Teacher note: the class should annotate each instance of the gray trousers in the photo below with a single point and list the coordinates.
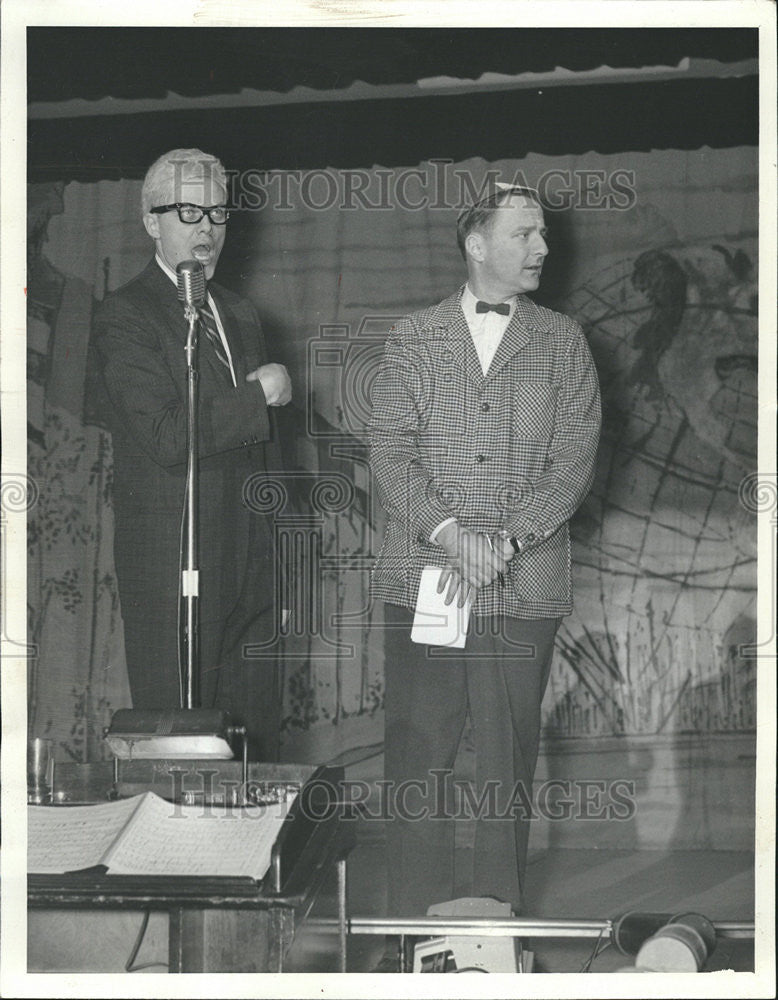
(499, 680)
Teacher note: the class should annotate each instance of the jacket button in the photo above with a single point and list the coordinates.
(480, 458)
(485, 407)
(530, 538)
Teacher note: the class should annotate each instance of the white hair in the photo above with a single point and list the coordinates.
(176, 166)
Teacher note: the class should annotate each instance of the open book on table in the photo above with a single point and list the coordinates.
(146, 835)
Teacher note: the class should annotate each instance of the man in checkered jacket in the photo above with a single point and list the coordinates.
(486, 418)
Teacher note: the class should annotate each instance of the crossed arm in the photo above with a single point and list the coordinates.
(152, 403)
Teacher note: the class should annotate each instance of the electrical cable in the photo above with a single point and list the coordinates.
(129, 966)
(596, 951)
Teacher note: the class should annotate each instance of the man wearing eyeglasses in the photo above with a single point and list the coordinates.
(139, 336)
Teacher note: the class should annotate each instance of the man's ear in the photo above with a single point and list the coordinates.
(474, 246)
(151, 222)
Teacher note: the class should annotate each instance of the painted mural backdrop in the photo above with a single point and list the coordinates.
(665, 548)
(663, 282)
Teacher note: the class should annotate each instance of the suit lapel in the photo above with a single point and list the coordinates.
(170, 309)
(462, 339)
(518, 333)
(172, 312)
(450, 324)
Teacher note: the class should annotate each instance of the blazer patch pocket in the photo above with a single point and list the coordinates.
(534, 406)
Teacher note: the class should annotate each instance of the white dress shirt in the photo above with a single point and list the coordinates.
(174, 278)
(487, 330)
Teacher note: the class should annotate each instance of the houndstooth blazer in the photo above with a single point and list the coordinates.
(513, 449)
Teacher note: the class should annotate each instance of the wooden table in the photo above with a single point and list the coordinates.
(229, 924)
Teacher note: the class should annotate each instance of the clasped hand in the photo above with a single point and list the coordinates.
(275, 382)
(472, 562)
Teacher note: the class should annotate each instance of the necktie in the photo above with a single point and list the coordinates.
(503, 308)
(208, 324)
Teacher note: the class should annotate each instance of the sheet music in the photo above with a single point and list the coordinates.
(67, 838)
(168, 839)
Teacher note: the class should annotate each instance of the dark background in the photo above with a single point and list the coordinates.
(138, 63)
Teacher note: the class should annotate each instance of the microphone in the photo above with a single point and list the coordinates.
(191, 283)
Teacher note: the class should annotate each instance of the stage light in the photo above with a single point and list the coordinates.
(172, 734)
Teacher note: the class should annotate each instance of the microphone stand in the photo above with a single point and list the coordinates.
(189, 633)
(188, 732)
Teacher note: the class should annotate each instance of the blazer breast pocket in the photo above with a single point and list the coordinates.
(534, 408)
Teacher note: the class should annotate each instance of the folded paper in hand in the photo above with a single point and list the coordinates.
(435, 622)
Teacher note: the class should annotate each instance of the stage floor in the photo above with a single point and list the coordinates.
(562, 882)
(594, 884)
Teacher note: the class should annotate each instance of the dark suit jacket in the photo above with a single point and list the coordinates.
(139, 335)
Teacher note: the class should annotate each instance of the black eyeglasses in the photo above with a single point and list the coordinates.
(190, 214)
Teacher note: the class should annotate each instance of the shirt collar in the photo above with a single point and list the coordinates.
(167, 269)
(468, 306)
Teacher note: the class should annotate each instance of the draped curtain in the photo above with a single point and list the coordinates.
(77, 673)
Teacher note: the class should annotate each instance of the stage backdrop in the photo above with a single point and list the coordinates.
(661, 273)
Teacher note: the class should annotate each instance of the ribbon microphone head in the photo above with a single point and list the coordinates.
(191, 283)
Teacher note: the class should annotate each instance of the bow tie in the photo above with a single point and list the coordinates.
(503, 308)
